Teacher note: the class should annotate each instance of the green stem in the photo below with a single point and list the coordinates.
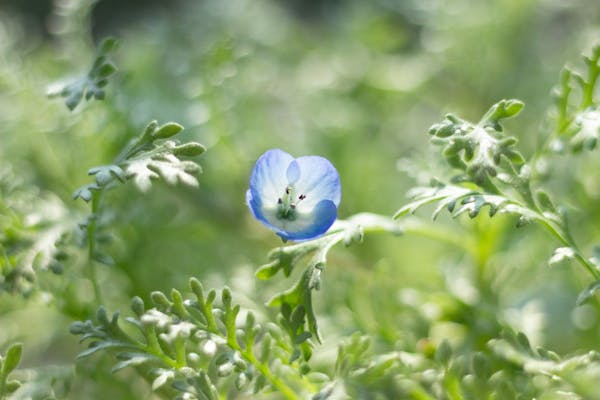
(560, 232)
(588, 90)
(2, 386)
(566, 239)
(91, 236)
(264, 369)
(153, 347)
(180, 352)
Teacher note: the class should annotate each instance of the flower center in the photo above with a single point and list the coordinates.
(286, 205)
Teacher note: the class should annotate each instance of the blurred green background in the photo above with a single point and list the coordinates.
(358, 82)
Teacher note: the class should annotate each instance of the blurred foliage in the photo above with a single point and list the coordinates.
(430, 314)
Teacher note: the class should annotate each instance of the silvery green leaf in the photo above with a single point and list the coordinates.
(133, 359)
(163, 377)
(561, 255)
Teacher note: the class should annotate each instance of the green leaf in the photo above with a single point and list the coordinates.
(85, 192)
(578, 120)
(480, 365)
(477, 149)
(286, 258)
(12, 386)
(163, 377)
(443, 353)
(587, 125)
(267, 271)
(103, 345)
(191, 149)
(206, 386)
(296, 307)
(167, 130)
(91, 85)
(503, 109)
(106, 174)
(460, 200)
(146, 167)
(561, 255)
(12, 358)
(134, 359)
(587, 293)
(108, 45)
(544, 201)
(103, 258)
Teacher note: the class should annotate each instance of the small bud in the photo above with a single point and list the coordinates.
(56, 267)
(250, 320)
(106, 70)
(512, 107)
(480, 366)
(226, 297)
(137, 306)
(209, 348)
(193, 358)
(167, 130)
(304, 368)
(241, 381)
(102, 317)
(12, 386)
(77, 328)
(523, 341)
(159, 299)
(225, 369)
(443, 353)
(150, 128)
(190, 149)
(12, 358)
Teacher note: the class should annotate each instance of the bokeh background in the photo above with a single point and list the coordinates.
(358, 82)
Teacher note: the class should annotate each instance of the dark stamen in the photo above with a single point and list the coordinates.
(301, 197)
(279, 201)
(287, 190)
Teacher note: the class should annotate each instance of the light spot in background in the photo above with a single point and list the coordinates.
(193, 87)
(198, 113)
(401, 73)
(529, 319)
(431, 311)
(463, 288)
(316, 73)
(409, 296)
(584, 317)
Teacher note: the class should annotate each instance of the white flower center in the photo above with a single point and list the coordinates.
(286, 205)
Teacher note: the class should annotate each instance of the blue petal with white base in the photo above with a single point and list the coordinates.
(296, 197)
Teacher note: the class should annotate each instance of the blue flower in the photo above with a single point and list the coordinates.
(296, 197)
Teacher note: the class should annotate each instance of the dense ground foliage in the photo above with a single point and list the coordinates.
(126, 157)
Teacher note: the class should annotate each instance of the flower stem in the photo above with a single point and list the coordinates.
(91, 236)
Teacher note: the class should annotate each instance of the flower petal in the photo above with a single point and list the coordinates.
(255, 206)
(305, 226)
(309, 225)
(319, 180)
(293, 172)
(268, 179)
